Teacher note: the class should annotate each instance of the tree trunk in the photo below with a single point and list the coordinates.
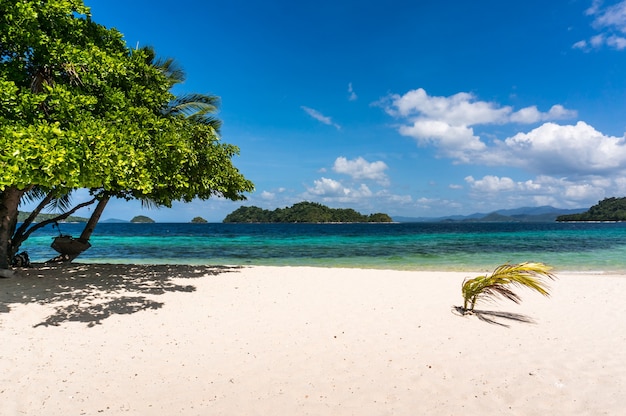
(86, 234)
(9, 203)
(95, 217)
(24, 232)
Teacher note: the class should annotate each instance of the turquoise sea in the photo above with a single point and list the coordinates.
(577, 247)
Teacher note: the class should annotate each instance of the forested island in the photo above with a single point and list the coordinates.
(22, 216)
(307, 212)
(142, 219)
(609, 209)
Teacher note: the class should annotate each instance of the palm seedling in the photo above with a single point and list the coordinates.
(530, 275)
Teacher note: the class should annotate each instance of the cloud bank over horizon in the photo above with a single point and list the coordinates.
(571, 164)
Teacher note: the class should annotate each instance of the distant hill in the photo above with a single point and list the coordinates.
(21, 217)
(524, 214)
(142, 219)
(113, 221)
(609, 209)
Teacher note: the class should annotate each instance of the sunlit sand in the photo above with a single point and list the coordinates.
(202, 340)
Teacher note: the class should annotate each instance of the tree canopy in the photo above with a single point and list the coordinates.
(310, 212)
(79, 109)
(609, 209)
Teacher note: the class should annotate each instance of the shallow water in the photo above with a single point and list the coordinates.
(401, 246)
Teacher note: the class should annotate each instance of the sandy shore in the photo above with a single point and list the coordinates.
(188, 340)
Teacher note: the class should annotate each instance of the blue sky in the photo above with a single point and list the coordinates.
(412, 108)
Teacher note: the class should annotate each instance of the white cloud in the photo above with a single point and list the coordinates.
(596, 41)
(358, 196)
(581, 191)
(267, 195)
(503, 192)
(394, 200)
(453, 140)
(611, 22)
(463, 109)
(617, 42)
(531, 114)
(439, 204)
(457, 109)
(613, 16)
(320, 117)
(447, 122)
(328, 188)
(360, 169)
(620, 185)
(351, 94)
(491, 184)
(593, 9)
(571, 149)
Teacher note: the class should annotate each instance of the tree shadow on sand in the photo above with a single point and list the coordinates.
(493, 317)
(94, 292)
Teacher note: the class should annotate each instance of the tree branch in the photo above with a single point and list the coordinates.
(17, 243)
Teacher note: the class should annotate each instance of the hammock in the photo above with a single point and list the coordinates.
(66, 244)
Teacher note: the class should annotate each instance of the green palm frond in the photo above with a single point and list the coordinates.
(170, 68)
(189, 104)
(197, 107)
(62, 203)
(530, 275)
(35, 194)
(54, 201)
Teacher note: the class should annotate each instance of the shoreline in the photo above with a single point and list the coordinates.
(383, 266)
(193, 340)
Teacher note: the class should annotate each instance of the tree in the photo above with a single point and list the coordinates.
(379, 217)
(497, 284)
(609, 209)
(78, 109)
(71, 97)
(196, 109)
(47, 200)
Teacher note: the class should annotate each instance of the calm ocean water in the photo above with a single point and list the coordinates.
(403, 246)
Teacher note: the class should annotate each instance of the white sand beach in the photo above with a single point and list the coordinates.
(200, 340)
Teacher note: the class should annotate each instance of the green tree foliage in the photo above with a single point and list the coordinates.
(77, 105)
(79, 109)
(308, 212)
(609, 209)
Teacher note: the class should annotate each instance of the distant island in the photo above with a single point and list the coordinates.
(304, 212)
(198, 220)
(113, 221)
(517, 215)
(609, 209)
(142, 219)
(22, 216)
